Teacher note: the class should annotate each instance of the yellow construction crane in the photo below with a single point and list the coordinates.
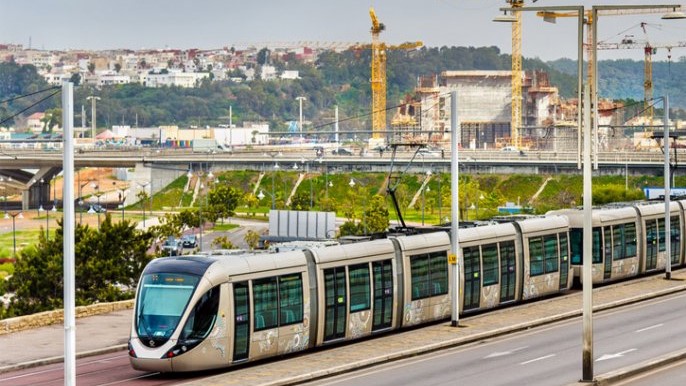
(649, 49)
(516, 120)
(378, 78)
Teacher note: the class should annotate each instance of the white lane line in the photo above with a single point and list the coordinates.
(650, 328)
(537, 359)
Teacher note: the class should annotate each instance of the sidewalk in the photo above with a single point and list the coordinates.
(110, 332)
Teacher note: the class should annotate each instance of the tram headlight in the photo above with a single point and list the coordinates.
(181, 348)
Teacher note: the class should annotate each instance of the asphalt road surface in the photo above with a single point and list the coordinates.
(545, 356)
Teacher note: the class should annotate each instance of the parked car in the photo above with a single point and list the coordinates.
(97, 208)
(172, 247)
(189, 241)
(341, 151)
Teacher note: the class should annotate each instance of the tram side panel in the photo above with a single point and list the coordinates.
(545, 247)
(356, 290)
(491, 266)
(425, 278)
(653, 248)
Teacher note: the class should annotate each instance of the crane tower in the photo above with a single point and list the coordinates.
(378, 72)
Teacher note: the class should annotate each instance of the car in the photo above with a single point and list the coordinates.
(424, 152)
(97, 208)
(189, 241)
(341, 151)
(172, 247)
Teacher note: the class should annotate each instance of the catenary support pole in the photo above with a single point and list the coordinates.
(668, 240)
(454, 210)
(587, 275)
(69, 240)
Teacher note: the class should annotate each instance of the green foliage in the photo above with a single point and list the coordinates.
(301, 201)
(108, 263)
(375, 218)
(614, 193)
(252, 238)
(223, 200)
(222, 242)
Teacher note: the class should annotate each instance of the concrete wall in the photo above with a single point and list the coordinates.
(47, 318)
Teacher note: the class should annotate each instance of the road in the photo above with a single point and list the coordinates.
(672, 375)
(546, 356)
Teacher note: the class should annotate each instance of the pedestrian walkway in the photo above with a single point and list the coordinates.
(110, 332)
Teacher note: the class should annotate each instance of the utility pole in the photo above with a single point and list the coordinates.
(93, 100)
(301, 99)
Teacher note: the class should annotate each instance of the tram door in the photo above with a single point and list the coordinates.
(241, 329)
(383, 294)
(651, 245)
(607, 243)
(564, 261)
(508, 271)
(472, 278)
(334, 319)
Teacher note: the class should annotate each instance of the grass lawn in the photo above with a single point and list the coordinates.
(224, 227)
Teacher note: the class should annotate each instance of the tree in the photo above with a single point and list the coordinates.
(223, 242)
(108, 262)
(223, 200)
(52, 118)
(301, 201)
(263, 56)
(250, 202)
(75, 78)
(252, 238)
(117, 67)
(375, 217)
(91, 68)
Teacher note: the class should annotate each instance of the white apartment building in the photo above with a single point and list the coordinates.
(173, 78)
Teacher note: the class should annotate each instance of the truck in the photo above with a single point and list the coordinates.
(207, 145)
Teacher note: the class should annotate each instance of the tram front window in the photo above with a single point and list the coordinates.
(161, 301)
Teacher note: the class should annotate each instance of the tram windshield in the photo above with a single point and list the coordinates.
(161, 301)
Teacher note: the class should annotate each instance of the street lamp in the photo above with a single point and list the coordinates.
(98, 208)
(93, 100)
(352, 184)
(144, 185)
(301, 99)
(14, 231)
(122, 196)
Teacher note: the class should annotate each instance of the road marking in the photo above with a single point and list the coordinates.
(615, 356)
(650, 328)
(503, 353)
(537, 359)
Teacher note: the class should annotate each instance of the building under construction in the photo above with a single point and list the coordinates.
(484, 112)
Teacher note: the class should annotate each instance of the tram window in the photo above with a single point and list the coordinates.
(564, 249)
(203, 316)
(674, 234)
(490, 264)
(536, 256)
(266, 303)
(618, 242)
(439, 273)
(576, 243)
(429, 275)
(597, 252)
(419, 267)
(630, 239)
(290, 299)
(661, 234)
(359, 287)
(552, 257)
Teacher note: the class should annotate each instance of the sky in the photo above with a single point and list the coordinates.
(205, 24)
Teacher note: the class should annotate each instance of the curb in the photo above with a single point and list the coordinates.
(630, 371)
(60, 359)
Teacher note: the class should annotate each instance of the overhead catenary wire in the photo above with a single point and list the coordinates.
(30, 107)
(30, 94)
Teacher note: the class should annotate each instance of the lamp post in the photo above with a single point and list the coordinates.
(81, 186)
(352, 184)
(98, 193)
(122, 196)
(300, 99)
(93, 100)
(143, 185)
(14, 232)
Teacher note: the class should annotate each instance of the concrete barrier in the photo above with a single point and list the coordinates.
(47, 318)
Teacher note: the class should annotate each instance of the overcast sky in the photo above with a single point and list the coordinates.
(137, 24)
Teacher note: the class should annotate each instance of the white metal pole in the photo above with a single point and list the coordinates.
(668, 240)
(587, 276)
(454, 205)
(336, 125)
(69, 239)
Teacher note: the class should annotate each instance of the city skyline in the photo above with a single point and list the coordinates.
(127, 24)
